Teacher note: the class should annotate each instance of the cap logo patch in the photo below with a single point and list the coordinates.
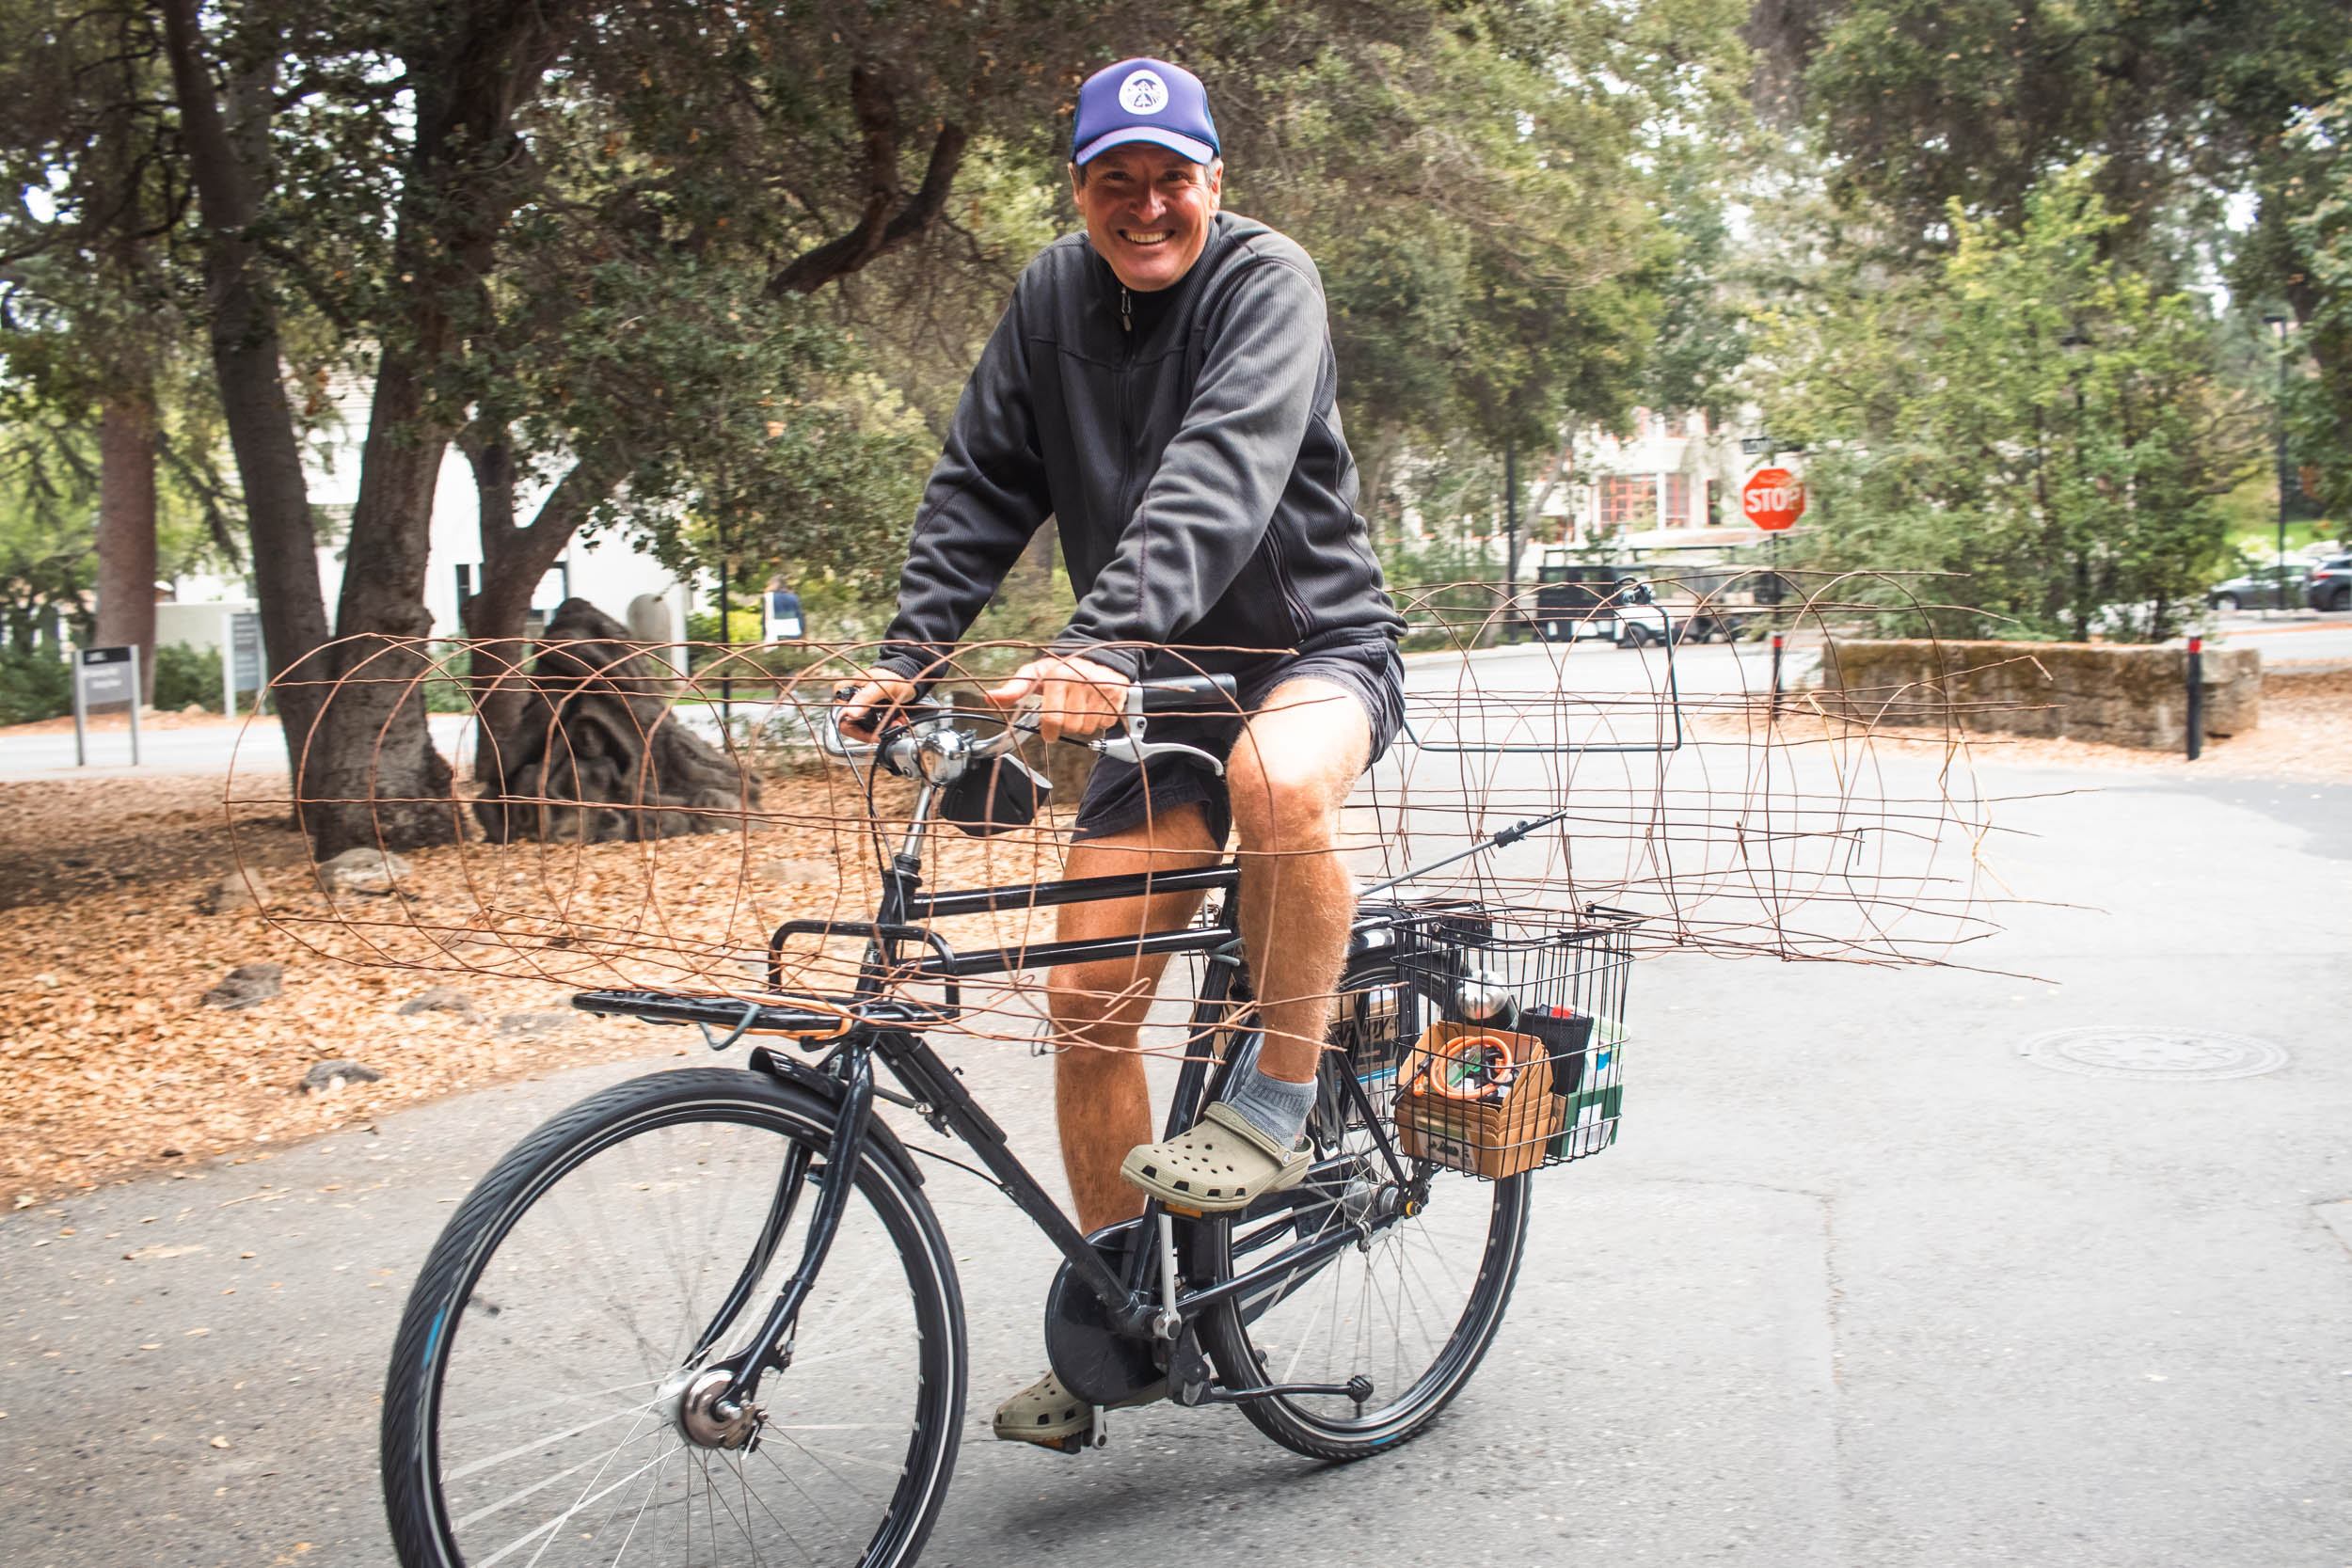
(1142, 93)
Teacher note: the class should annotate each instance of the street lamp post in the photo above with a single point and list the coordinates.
(2278, 325)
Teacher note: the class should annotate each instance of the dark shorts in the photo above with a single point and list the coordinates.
(1121, 795)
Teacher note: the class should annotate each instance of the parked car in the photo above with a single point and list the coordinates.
(2275, 586)
(1576, 601)
(2329, 585)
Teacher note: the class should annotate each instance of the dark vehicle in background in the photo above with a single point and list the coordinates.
(2329, 585)
(1575, 601)
(2272, 587)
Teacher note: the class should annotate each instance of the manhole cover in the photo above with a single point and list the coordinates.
(2153, 1052)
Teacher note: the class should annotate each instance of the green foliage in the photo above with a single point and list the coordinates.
(1482, 190)
(743, 631)
(2319, 407)
(48, 499)
(33, 686)
(1952, 427)
(2188, 107)
(186, 678)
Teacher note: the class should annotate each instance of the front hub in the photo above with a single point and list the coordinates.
(704, 1414)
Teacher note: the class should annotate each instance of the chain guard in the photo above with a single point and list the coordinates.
(1093, 1360)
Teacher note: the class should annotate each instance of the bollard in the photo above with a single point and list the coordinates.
(2196, 697)
(1776, 676)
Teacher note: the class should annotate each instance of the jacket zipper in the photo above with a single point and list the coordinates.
(1279, 564)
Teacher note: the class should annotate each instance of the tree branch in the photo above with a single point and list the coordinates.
(887, 221)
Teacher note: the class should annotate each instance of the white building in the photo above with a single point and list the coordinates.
(609, 571)
(1672, 484)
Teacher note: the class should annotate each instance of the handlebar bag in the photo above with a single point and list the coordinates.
(1004, 795)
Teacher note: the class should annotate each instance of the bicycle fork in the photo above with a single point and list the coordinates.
(712, 1407)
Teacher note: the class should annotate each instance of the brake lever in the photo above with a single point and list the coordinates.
(1132, 748)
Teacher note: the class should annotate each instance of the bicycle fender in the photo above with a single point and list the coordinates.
(802, 1076)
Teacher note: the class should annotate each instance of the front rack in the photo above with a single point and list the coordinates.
(808, 1017)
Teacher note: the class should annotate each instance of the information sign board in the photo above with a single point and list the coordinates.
(106, 675)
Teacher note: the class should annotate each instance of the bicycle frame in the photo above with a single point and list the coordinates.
(936, 1094)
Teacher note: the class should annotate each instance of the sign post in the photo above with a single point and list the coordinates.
(104, 676)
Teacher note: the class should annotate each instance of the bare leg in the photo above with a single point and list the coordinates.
(1292, 769)
(1100, 1097)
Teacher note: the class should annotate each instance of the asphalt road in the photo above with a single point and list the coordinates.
(1860, 1284)
(1705, 669)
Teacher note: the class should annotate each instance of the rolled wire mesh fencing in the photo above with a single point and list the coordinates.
(598, 814)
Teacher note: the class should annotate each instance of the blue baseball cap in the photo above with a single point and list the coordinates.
(1144, 100)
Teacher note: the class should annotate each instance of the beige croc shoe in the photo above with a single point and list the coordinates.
(1220, 1163)
(1052, 1417)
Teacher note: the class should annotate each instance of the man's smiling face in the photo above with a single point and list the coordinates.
(1148, 210)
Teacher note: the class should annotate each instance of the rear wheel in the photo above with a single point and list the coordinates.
(1413, 1311)
(2340, 599)
(2226, 603)
(537, 1409)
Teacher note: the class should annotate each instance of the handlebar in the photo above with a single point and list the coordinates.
(930, 734)
(1187, 693)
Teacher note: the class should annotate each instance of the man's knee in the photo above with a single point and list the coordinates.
(1297, 767)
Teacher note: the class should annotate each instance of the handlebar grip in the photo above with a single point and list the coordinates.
(1188, 693)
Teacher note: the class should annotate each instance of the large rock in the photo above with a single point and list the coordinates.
(365, 869)
(597, 755)
(247, 985)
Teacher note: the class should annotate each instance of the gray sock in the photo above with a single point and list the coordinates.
(1276, 1108)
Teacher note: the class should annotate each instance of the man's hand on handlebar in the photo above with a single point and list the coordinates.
(1077, 697)
(862, 712)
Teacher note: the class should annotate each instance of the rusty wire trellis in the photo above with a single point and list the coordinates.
(615, 825)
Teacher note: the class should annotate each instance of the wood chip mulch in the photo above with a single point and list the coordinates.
(110, 1062)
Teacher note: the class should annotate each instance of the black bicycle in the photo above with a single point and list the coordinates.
(708, 1315)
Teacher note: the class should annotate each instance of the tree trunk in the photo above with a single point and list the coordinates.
(228, 163)
(382, 783)
(126, 527)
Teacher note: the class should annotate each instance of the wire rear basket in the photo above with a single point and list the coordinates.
(1516, 1024)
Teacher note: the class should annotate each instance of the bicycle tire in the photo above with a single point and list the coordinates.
(1320, 1426)
(726, 1114)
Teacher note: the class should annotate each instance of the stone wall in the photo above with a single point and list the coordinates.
(2118, 693)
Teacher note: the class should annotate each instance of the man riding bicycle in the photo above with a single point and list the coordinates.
(1163, 385)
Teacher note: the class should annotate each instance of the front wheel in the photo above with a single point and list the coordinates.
(2226, 603)
(538, 1406)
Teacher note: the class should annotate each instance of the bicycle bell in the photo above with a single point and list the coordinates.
(1484, 998)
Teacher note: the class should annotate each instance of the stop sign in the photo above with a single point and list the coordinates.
(1773, 499)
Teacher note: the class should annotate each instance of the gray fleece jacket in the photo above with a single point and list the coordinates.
(1189, 445)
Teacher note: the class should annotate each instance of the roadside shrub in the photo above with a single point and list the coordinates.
(33, 686)
(188, 677)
